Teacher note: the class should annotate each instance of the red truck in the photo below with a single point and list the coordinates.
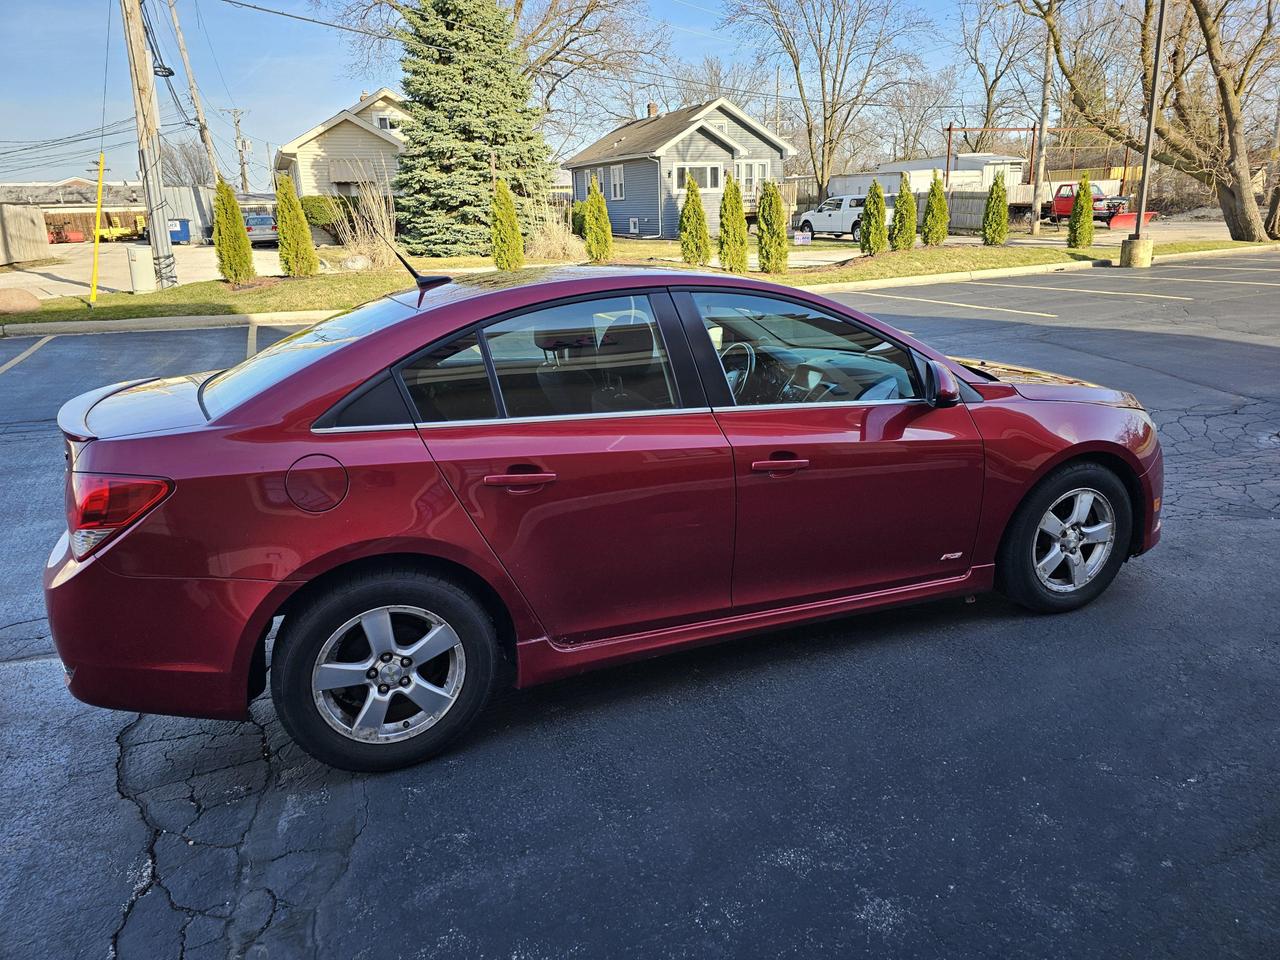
(1113, 211)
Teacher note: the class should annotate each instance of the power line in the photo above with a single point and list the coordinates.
(651, 73)
(106, 63)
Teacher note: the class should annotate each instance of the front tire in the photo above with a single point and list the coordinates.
(384, 670)
(1067, 540)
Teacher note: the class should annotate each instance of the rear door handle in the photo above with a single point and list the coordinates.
(778, 467)
(518, 479)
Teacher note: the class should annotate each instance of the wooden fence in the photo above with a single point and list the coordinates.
(22, 234)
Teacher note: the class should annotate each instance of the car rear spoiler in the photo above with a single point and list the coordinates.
(73, 416)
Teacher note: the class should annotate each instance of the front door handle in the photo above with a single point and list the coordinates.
(518, 479)
(778, 468)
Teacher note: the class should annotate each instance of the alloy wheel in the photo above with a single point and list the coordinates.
(1073, 540)
(388, 674)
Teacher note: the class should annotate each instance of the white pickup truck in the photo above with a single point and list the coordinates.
(839, 215)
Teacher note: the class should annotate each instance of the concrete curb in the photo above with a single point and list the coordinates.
(1039, 268)
(927, 278)
(153, 324)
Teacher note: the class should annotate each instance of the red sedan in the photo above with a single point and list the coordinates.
(514, 478)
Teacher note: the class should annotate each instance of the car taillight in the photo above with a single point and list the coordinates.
(100, 505)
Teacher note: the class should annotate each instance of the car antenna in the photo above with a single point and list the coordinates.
(423, 281)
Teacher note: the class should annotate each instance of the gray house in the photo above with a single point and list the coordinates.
(643, 165)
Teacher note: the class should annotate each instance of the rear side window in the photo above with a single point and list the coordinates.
(451, 383)
(230, 388)
(591, 356)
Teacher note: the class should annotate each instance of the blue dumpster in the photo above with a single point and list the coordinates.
(179, 231)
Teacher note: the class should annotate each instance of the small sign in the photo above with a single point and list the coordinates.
(803, 238)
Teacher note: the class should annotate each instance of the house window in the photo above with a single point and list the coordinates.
(617, 188)
(751, 176)
(384, 121)
(706, 176)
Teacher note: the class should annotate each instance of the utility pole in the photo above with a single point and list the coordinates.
(147, 113)
(241, 148)
(1042, 145)
(1136, 250)
(201, 123)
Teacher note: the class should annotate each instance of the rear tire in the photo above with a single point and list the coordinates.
(1067, 539)
(394, 711)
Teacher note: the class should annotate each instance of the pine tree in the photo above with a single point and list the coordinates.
(297, 249)
(230, 238)
(508, 244)
(695, 244)
(936, 216)
(771, 234)
(873, 236)
(732, 241)
(469, 124)
(597, 231)
(902, 236)
(1080, 226)
(995, 218)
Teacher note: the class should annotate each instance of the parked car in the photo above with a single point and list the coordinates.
(513, 478)
(261, 229)
(1064, 198)
(840, 215)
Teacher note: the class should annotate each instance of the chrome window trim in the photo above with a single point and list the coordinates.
(361, 428)
(551, 418)
(821, 404)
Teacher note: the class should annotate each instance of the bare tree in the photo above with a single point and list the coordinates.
(995, 41)
(914, 112)
(843, 57)
(185, 164)
(1218, 57)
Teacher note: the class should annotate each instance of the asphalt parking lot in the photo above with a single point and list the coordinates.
(951, 780)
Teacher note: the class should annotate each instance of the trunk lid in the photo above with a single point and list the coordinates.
(132, 407)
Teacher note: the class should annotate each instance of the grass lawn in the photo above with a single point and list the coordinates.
(341, 291)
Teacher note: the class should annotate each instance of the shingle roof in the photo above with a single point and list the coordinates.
(638, 137)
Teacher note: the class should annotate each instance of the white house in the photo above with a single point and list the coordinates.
(361, 142)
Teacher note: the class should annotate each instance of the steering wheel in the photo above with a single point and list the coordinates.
(739, 376)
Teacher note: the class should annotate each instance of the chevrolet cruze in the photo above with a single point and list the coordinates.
(519, 477)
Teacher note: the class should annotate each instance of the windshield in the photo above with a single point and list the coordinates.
(230, 388)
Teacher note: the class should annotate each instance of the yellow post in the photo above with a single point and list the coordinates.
(97, 235)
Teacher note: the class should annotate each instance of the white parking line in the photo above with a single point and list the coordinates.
(1206, 267)
(1105, 293)
(1163, 279)
(952, 303)
(24, 354)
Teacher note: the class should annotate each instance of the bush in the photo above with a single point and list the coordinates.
(936, 216)
(995, 218)
(578, 218)
(771, 235)
(873, 234)
(902, 236)
(508, 244)
(695, 244)
(297, 250)
(230, 238)
(596, 230)
(732, 242)
(1080, 226)
(553, 240)
(321, 211)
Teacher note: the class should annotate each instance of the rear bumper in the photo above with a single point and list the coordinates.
(155, 644)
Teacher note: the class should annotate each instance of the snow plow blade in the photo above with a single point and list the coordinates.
(1127, 221)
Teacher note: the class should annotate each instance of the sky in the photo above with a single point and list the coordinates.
(287, 76)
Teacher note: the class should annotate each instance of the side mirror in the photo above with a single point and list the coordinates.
(940, 387)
